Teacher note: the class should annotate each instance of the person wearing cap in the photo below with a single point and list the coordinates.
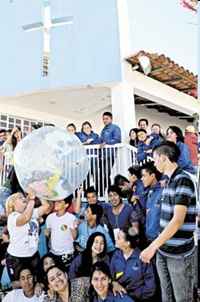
(191, 140)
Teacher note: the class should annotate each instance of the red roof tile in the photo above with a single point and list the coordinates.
(168, 72)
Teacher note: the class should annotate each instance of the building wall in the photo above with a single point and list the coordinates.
(85, 52)
(96, 120)
(31, 114)
(163, 119)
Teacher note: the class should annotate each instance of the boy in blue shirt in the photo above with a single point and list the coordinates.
(150, 178)
(110, 135)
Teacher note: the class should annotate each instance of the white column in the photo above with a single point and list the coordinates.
(123, 108)
(122, 95)
(124, 29)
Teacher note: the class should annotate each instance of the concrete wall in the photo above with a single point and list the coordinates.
(96, 120)
(86, 52)
(161, 118)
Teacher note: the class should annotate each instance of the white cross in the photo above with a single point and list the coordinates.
(46, 26)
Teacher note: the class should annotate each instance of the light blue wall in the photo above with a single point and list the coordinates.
(198, 22)
(86, 52)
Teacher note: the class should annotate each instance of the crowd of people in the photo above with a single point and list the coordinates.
(138, 246)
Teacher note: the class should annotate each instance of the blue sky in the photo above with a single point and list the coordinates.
(163, 26)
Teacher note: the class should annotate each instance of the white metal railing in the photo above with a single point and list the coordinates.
(4, 169)
(105, 163)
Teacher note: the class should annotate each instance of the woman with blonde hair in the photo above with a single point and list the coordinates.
(23, 228)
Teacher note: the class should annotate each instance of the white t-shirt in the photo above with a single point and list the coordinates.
(17, 295)
(23, 239)
(61, 236)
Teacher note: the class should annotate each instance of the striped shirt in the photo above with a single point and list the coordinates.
(180, 190)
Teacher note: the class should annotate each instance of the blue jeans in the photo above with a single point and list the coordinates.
(176, 277)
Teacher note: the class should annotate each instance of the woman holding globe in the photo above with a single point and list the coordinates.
(58, 165)
(23, 228)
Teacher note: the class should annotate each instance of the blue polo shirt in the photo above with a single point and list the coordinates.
(119, 221)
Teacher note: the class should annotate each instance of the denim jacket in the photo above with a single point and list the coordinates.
(134, 275)
(84, 231)
(184, 160)
(153, 209)
(111, 134)
(141, 151)
(84, 137)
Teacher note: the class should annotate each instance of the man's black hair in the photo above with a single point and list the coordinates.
(97, 210)
(169, 149)
(107, 113)
(151, 169)
(91, 189)
(23, 268)
(135, 170)
(116, 189)
(141, 130)
(71, 125)
(143, 120)
(50, 125)
(3, 131)
(36, 126)
(119, 180)
(68, 200)
(156, 124)
(131, 236)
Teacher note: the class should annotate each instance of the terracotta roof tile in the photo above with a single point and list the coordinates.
(167, 71)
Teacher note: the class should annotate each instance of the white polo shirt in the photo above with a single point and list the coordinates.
(61, 237)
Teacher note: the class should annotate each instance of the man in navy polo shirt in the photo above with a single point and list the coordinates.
(150, 178)
(117, 213)
(110, 135)
(175, 244)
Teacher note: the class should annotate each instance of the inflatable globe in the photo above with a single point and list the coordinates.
(51, 162)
